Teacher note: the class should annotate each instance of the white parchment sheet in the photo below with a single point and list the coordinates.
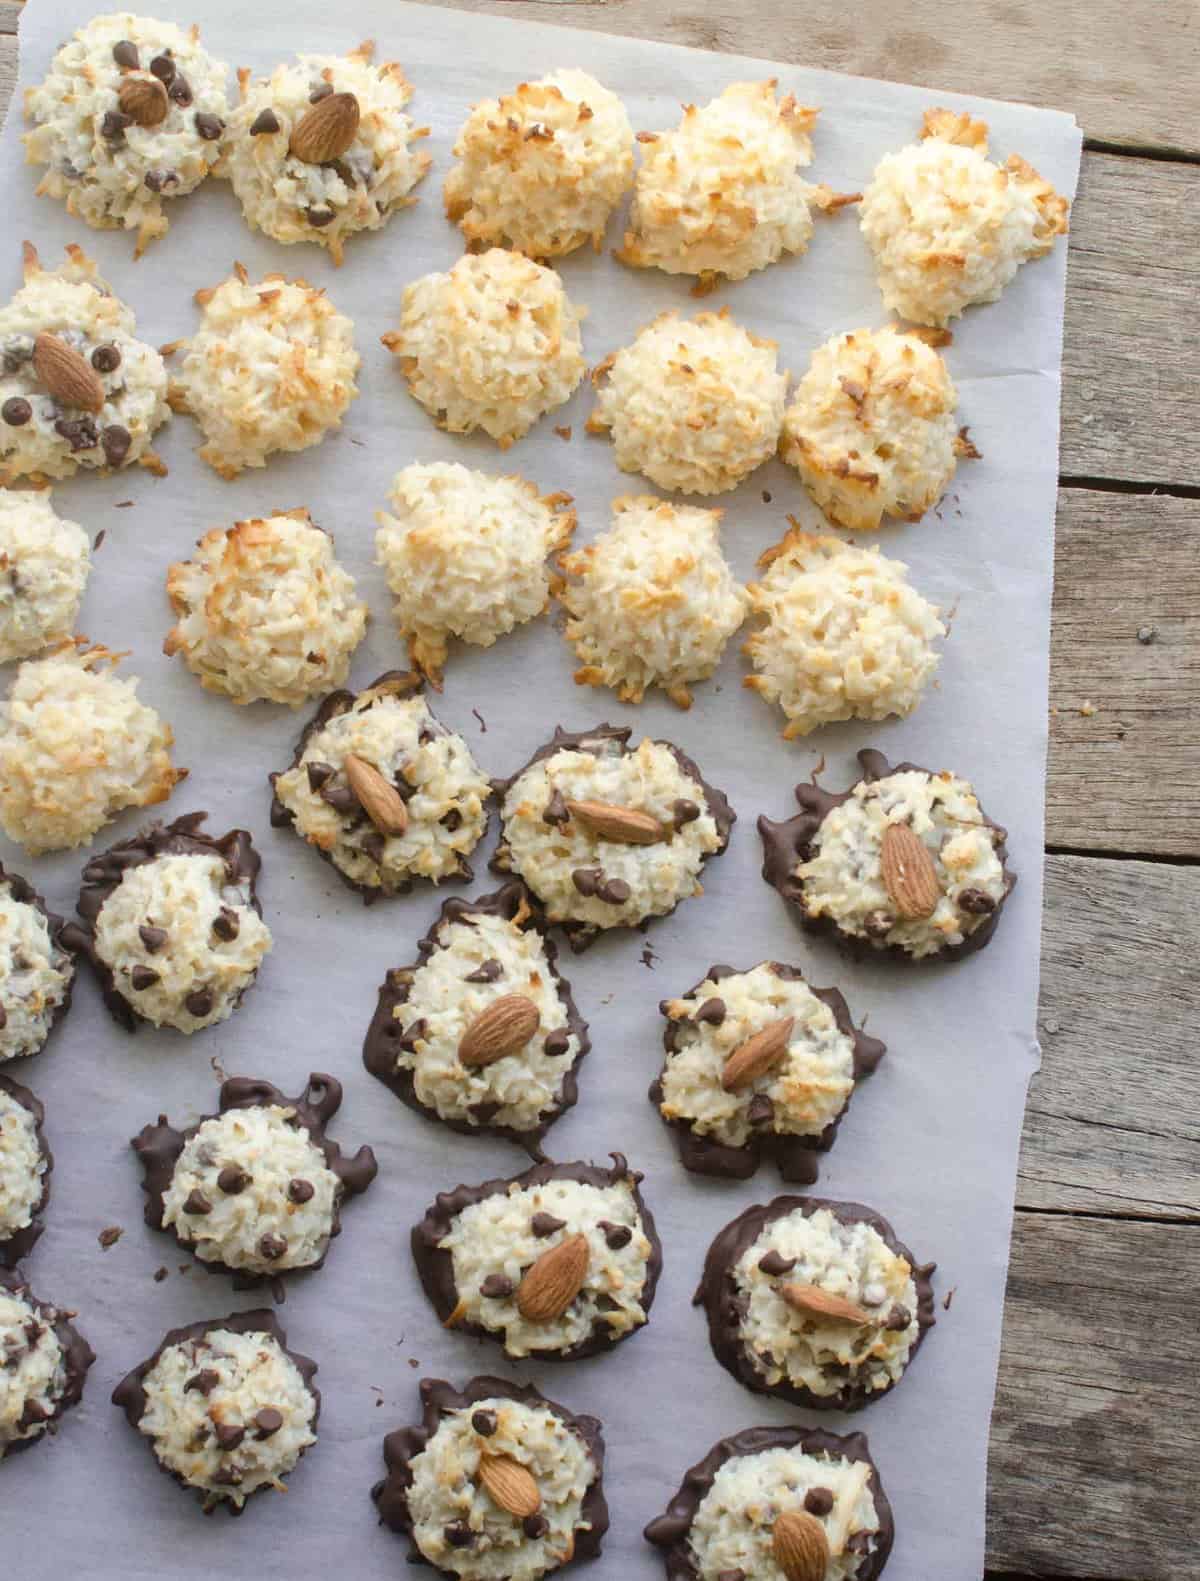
(931, 1140)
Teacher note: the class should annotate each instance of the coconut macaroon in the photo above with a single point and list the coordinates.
(607, 835)
(845, 636)
(266, 612)
(722, 194)
(542, 168)
(693, 404)
(77, 390)
(493, 344)
(132, 113)
(45, 1364)
(871, 427)
(44, 565)
(766, 1494)
(947, 227)
(495, 1481)
(815, 1302)
(25, 1167)
(383, 790)
(226, 1407)
(77, 748)
(465, 556)
(36, 969)
(653, 601)
(556, 1264)
(272, 367)
(322, 148)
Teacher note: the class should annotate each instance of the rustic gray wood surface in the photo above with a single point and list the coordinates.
(1096, 1439)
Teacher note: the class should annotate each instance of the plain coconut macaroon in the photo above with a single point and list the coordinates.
(266, 612)
(76, 748)
(542, 168)
(722, 195)
(465, 555)
(845, 635)
(948, 227)
(44, 566)
(652, 601)
(322, 148)
(693, 404)
(131, 113)
(77, 390)
(493, 344)
(272, 367)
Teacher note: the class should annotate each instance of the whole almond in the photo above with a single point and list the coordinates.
(326, 130)
(812, 1301)
(66, 374)
(756, 1056)
(908, 872)
(382, 803)
(503, 1028)
(510, 1485)
(553, 1282)
(610, 822)
(143, 100)
(799, 1546)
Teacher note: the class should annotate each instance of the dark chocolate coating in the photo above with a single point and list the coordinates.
(795, 1156)
(581, 934)
(379, 1047)
(22, 1243)
(670, 1531)
(78, 1355)
(21, 889)
(790, 842)
(104, 873)
(395, 683)
(435, 1268)
(130, 1394)
(438, 1398)
(717, 1295)
(159, 1146)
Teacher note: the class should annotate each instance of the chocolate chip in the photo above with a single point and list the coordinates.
(228, 1477)
(197, 1202)
(587, 880)
(265, 121)
(163, 67)
(484, 1423)
(543, 1224)
(232, 1180)
(819, 1501)
(343, 171)
(204, 1381)
(272, 1246)
(484, 1113)
(268, 1421)
(142, 977)
(898, 1319)
(226, 924)
(615, 1235)
(459, 1535)
(535, 1526)
(496, 1287)
(180, 91)
(106, 359)
(159, 1275)
(975, 901)
(373, 843)
(615, 891)
(300, 1190)
(760, 1110)
(451, 820)
(557, 1043)
(321, 91)
(684, 811)
(199, 1003)
(16, 412)
(3, 1018)
(712, 1012)
(878, 924)
(319, 216)
(115, 442)
(556, 809)
(113, 125)
(606, 1303)
(319, 774)
(341, 798)
(775, 1264)
(488, 972)
(110, 1236)
(33, 1413)
(126, 54)
(228, 1435)
(155, 180)
(79, 432)
(731, 1575)
(209, 126)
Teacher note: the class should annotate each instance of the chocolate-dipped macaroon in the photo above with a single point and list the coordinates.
(44, 1362)
(25, 1166)
(905, 863)
(37, 969)
(257, 1188)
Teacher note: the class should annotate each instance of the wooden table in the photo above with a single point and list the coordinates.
(1095, 1442)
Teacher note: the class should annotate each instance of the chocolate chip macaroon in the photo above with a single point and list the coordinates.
(905, 863)
(778, 1501)
(172, 925)
(607, 835)
(227, 1408)
(257, 1188)
(481, 1032)
(496, 1480)
(816, 1302)
(759, 1065)
(555, 1264)
(44, 1362)
(37, 970)
(25, 1166)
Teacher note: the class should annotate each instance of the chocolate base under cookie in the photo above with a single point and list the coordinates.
(671, 1530)
(385, 1034)
(22, 1242)
(787, 844)
(130, 1393)
(437, 1399)
(794, 1155)
(722, 1306)
(78, 1355)
(435, 1267)
(104, 873)
(580, 934)
(59, 928)
(159, 1147)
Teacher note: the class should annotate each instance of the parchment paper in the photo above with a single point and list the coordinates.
(931, 1140)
